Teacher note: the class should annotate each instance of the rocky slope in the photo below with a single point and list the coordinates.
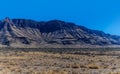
(22, 32)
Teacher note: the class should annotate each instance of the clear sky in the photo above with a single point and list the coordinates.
(101, 15)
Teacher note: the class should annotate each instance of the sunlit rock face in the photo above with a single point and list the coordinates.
(22, 32)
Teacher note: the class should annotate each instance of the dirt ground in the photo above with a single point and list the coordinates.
(59, 62)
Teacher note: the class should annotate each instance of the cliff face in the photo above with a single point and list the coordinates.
(55, 32)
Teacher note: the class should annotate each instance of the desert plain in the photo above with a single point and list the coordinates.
(59, 61)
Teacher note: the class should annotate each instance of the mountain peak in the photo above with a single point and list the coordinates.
(7, 20)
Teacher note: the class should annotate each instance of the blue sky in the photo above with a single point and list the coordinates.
(101, 15)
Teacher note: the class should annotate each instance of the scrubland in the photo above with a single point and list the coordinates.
(59, 61)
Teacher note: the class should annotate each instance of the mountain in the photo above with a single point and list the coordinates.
(55, 33)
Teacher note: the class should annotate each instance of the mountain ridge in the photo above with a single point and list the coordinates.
(25, 33)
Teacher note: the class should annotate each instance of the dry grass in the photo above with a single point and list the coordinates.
(22, 62)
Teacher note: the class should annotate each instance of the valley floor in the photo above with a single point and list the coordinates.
(57, 61)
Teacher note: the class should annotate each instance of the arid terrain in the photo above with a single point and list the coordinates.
(59, 61)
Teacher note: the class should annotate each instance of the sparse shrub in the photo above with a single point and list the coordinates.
(92, 66)
(76, 66)
(83, 66)
(53, 72)
(73, 66)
